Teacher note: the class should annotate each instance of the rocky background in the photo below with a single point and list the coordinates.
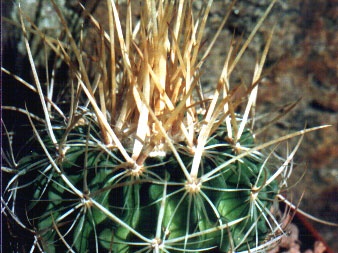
(302, 66)
(304, 59)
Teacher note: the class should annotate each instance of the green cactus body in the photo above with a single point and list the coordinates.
(142, 162)
(137, 200)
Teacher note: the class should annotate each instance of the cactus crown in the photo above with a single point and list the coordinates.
(138, 159)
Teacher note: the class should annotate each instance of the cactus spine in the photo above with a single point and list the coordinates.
(138, 160)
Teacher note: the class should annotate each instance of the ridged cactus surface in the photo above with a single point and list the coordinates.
(131, 155)
(228, 207)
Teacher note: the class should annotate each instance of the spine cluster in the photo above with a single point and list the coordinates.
(131, 156)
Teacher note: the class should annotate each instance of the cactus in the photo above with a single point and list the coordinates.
(134, 158)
